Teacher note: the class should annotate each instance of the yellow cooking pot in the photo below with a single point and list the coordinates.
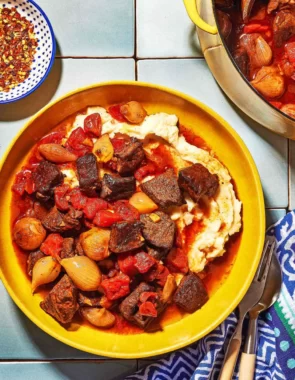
(228, 75)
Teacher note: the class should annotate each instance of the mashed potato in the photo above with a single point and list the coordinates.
(224, 216)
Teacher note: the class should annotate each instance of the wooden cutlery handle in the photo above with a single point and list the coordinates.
(247, 366)
(230, 360)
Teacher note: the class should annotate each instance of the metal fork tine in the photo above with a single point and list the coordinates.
(265, 249)
(268, 262)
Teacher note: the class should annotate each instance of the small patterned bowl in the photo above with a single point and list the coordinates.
(44, 56)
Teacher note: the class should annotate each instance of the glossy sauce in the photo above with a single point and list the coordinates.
(278, 52)
(214, 274)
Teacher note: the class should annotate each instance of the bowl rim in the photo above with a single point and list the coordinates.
(242, 291)
(51, 59)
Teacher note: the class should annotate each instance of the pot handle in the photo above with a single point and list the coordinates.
(191, 8)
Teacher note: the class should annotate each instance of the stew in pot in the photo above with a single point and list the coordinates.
(261, 38)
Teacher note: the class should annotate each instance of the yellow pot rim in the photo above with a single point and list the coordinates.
(242, 291)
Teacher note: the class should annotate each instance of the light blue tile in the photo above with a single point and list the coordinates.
(273, 215)
(110, 370)
(193, 77)
(22, 339)
(93, 28)
(165, 30)
(292, 174)
(66, 75)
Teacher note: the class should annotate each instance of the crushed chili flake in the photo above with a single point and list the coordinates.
(17, 48)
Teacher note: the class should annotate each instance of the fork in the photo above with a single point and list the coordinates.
(251, 298)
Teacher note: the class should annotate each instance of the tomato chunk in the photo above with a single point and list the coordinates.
(115, 112)
(157, 273)
(255, 28)
(126, 210)
(118, 144)
(93, 205)
(144, 171)
(144, 262)
(93, 125)
(127, 263)
(78, 142)
(145, 296)
(23, 182)
(148, 309)
(77, 199)
(177, 261)
(105, 218)
(52, 245)
(60, 199)
(116, 287)
(158, 160)
(52, 138)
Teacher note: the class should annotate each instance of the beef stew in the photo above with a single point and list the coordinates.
(117, 238)
(260, 35)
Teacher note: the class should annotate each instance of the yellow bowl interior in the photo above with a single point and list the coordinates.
(229, 148)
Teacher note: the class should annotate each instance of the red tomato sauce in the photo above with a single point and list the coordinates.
(215, 272)
(278, 53)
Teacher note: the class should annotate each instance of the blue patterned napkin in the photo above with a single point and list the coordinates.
(276, 347)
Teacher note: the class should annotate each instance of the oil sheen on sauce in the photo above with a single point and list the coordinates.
(214, 274)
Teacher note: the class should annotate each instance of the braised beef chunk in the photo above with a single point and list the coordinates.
(283, 26)
(32, 259)
(191, 294)
(164, 189)
(40, 210)
(46, 177)
(158, 229)
(89, 299)
(125, 236)
(225, 23)
(67, 249)
(242, 60)
(224, 3)
(56, 221)
(130, 157)
(78, 248)
(61, 302)
(115, 187)
(129, 307)
(157, 253)
(88, 174)
(198, 181)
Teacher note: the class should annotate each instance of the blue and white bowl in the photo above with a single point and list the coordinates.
(44, 56)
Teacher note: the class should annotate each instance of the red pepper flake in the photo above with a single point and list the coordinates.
(17, 48)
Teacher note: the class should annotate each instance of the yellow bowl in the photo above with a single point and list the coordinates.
(231, 151)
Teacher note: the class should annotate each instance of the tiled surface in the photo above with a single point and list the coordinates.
(270, 152)
(103, 28)
(93, 28)
(66, 75)
(111, 370)
(165, 30)
(23, 340)
(272, 216)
